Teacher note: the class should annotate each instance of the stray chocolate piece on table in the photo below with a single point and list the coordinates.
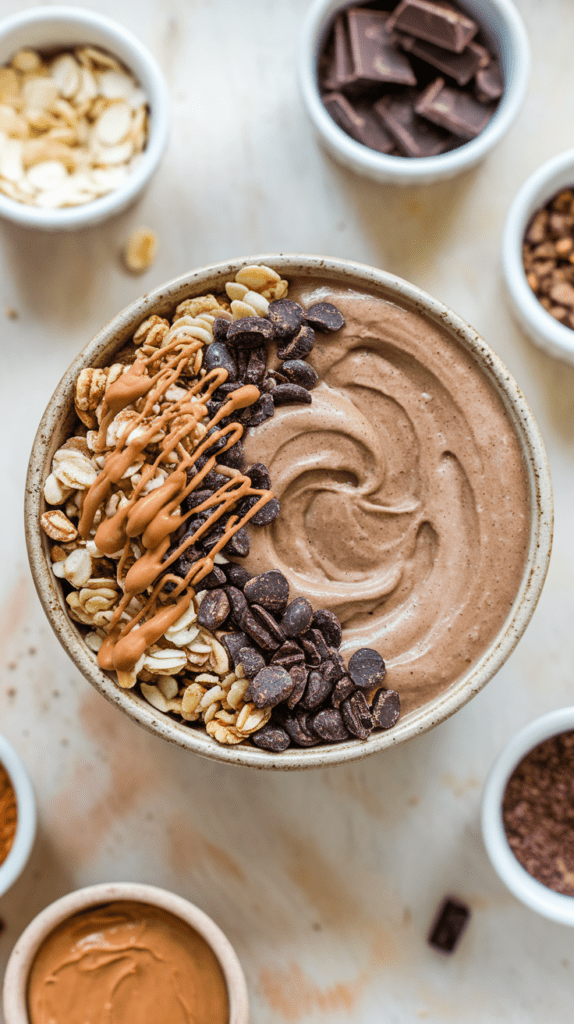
(449, 924)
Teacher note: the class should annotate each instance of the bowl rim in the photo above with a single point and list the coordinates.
(553, 905)
(144, 66)
(546, 180)
(19, 853)
(387, 285)
(23, 953)
(408, 170)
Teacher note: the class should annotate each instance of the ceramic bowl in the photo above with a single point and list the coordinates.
(506, 35)
(532, 893)
(21, 848)
(57, 424)
(22, 956)
(56, 28)
(544, 330)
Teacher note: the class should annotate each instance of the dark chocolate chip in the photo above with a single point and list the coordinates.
(258, 632)
(239, 544)
(299, 372)
(259, 476)
(312, 656)
(237, 575)
(196, 498)
(300, 730)
(298, 674)
(356, 715)
(270, 590)
(298, 347)
(329, 625)
(340, 667)
(367, 668)
(250, 332)
(318, 641)
(233, 643)
(386, 708)
(343, 689)
(316, 691)
(271, 737)
(267, 513)
(297, 617)
(447, 928)
(218, 354)
(261, 410)
(256, 366)
(251, 660)
(286, 394)
(288, 654)
(233, 457)
(286, 317)
(331, 672)
(238, 605)
(329, 725)
(269, 622)
(215, 578)
(220, 329)
(242, 361)
(270, 686)
(324, 316)
(213, 610)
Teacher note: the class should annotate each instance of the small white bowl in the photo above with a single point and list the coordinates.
(17, 858)
(532, 893)
(56, 28)
(544, 330)
(22, 956)
(506, 34)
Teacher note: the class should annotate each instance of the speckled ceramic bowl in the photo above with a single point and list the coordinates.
(24, 952)
(56, 426)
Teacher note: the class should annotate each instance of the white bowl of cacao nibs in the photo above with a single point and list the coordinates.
(538, 256)
(84, 118)
(414, 93)
(212, 492)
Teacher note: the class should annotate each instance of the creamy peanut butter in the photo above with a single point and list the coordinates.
(404, 497)
(123, 963)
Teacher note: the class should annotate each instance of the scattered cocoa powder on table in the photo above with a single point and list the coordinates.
(538, 813)
(8, 814)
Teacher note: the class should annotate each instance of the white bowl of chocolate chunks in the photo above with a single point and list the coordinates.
(415, 94)
(250, 511)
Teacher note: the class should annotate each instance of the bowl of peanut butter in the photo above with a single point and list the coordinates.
(288, 511)
(124, 951)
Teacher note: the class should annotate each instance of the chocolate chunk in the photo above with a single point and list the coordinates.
(259, 476)
(300, 373)
(237, 575)
(297, 617)
(453, 109)
(285, 394)
(270, 590)
(329, 725)
(489, 84)
(271, 737)
(344, 72)
(316, 691)
(288, 654)
(215, 578)
(257, 632)
(242, 361)
(460, 66)
(356, 715)
(342, 689)
(219, 442)
(386, 708)
(238, 604)
(195, 498)
(300, 729)
(436, 22)
(261, 410)
(218, 354)
(271, 625)
(357, 120)
(256, 366)
(340, 667)
(298, 674)
(234, 457)
(312, 656)
(251, 660)
(267, 513)
(449, 924)
(220, 328)
(286, 317)
(318, 641)
(413, 135)
(299, 346)
(250, 332)
(239, 544)
(324, 316)
(270, 686)
(213, 610)
(233, 643)
(367, 668)
(331, 672)
(375, 59)
(329, 625)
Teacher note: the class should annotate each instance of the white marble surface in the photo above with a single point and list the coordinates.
(325, 882)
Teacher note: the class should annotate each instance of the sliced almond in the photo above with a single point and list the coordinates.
(115, 85)
(92, 56)
(140, 250)
(66, 71)
(108, 155)
(47, 174)
(88, 88)
(40, 92)
(8, 83)
(114, 123)
(12, 123)
(11, 166)
(35, 151)
(26, 60)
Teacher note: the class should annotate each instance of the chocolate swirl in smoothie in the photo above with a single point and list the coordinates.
(404, 497)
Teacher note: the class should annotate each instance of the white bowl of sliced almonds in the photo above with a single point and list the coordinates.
(84, 118)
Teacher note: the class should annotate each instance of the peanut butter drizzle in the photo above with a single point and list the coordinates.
(155, 517)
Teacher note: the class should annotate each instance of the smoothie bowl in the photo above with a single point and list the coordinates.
(281, 500)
